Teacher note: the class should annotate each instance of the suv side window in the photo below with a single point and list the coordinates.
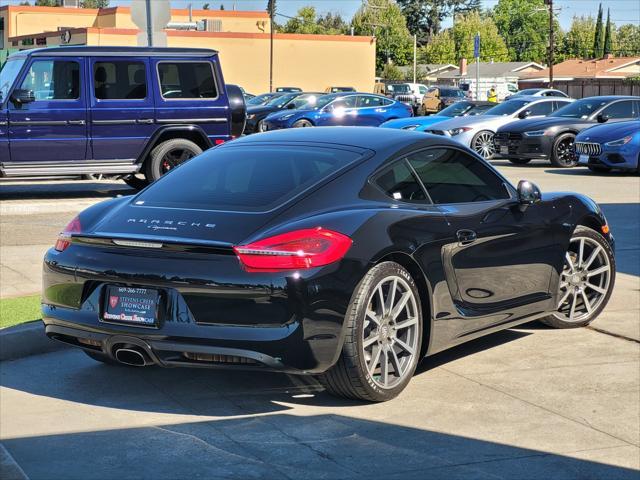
(422, 90)
(399, 183)
(542, 108)
(452, 176)
(119, 80)
(187, 80)
(617, 110)
(53, 80)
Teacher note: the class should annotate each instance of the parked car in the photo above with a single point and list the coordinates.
(477, 132)
(287, 101)
(552, 138)
(608, 146)
(339, 89)
(401, 92)
(464, 108)
(346, 253)
(113, 110)
(288, 89)
(538, 92)
(361, 109)
(263, 98)
(438, 98)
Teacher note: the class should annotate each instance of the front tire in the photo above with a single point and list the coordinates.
(383, 337)
(482, 144)
(302, 124)
(563, 153)
(168, 155)
(586, 281)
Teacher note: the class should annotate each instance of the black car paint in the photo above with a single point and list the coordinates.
(293, 321)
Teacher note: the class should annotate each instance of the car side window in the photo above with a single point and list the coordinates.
(542, 108)
(187, 80)
(345, 102)
(386, 102)
(399, 182)
(617, 110)
(119, 80)
(453, 176)
(53, 80)
(369, 101)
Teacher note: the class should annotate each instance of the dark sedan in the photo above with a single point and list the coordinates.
(552, 138)
(288, 101)
(349, 253)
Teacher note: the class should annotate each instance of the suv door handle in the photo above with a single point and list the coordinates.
(465, 237)
(75, 122)
(145, 120)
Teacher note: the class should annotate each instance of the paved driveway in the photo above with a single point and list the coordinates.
(526, 403)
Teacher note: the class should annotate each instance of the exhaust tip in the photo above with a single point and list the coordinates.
(131, 357)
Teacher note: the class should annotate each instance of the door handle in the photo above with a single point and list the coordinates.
(465, 237)
(145, 120)
(75, 122)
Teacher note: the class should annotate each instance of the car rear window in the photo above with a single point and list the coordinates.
(246, 178)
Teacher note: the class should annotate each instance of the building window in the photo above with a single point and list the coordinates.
(187, 80)
(120, 80)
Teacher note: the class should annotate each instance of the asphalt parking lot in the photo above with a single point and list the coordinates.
(525, 403)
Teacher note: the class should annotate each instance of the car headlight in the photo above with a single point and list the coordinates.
(457, 131)
(619, 143)
(251, 116)
(535, 133)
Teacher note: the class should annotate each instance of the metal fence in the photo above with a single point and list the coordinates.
(592, 87)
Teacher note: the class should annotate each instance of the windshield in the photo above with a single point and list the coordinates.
(580, 109)
(455, 110)
(450, 92)
(8, 75)
(282, 100)
(400, 88)
(507, 108)
(528, 91)
(262, 99)
(317, 102)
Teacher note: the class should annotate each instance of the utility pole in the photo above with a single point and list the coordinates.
(415, 58)
(551, 45)
(271, 14)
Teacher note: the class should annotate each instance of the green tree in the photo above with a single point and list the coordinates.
(598, 39)
(579, 39)
(94, 3)
(424, 17)
(384, 20)
(492, 46)
(46, 3)
(332, 23)
(307, 21)
(440, 49)
(391, 72)
(607, 34)
(524, 24)
(627, 40)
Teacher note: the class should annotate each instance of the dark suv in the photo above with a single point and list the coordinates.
(129, 112)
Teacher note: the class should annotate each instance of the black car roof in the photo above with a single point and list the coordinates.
(117, 51)
(608, 98)
(370, 138)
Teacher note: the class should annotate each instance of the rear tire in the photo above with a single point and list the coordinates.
(168, 155)
(383, 337)
(563, 151)
(586, 282)
(519, 161)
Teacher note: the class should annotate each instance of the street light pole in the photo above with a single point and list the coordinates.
(271, 48)
(551, 41)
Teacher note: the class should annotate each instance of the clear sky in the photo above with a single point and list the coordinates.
(622, 11)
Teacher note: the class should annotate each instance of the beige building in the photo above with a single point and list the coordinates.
(311, 62)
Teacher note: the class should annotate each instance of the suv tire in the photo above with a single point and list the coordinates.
(169, 154)
(392, 340)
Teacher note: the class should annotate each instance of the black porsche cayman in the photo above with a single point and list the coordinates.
(349, 253)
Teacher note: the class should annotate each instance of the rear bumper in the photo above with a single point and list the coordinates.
(291, 322)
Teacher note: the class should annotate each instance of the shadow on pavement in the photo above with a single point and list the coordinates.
(282, 446)
(60, 189)
(624, 220)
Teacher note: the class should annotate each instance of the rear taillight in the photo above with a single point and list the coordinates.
(300, 249)
(64, 239)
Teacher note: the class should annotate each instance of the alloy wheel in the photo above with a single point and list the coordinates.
(565, 152)
(584, 281)
(175, 157)
(483, 144)
(390, 332)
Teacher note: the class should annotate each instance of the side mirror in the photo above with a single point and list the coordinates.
(21, 97)
(291, 106)
(528, 194)
(602, 118)
(524, 114)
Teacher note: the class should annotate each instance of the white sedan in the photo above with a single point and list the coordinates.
(477, 132)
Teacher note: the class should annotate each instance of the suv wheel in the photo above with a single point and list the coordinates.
(563, 153)
(383, 337)
(586, 281)
(168, 155)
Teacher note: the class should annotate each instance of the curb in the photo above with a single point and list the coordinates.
(9, 468)
(25, 340)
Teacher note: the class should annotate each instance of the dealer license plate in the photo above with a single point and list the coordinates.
(132, 305)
